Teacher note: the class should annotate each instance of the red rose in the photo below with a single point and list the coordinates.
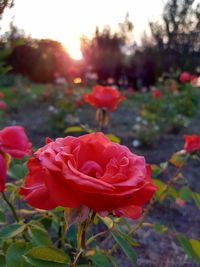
(192, 142)
(185, 77)
(104, 97)
(89, 170)
(156, 93)
(14, 142)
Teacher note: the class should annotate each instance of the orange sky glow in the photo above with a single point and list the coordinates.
(67, 20)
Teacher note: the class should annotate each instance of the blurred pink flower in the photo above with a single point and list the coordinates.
(185, 77)
(3, 105)
(156, 93)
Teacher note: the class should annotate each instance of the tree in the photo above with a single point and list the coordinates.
(39, 59)
(105, 51)
(178, 36)
(4, 4)
(4, 51)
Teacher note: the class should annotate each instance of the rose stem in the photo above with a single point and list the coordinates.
(13, 212)
(11, 207)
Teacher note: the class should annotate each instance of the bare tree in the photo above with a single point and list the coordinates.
(4, 4)
(180, 29)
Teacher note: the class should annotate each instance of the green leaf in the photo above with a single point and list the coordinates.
(125, 236)
(196, 198)
(2, 216)
(186, 245)
(155, 170)
(14, 255)
(160, 228)
(41, 263)
(178, 159)
(40, 236)
(36, 224)
(113, 138)
(74, 129)
(11, 230)
(48, 254)
(2, 261)
(18, 171)
(185, 193)
(161, 186)
(71, 235)
(163, 165)
(172, 192)
(127, 248)
(196, 248)
(100, 260)
(108, 222)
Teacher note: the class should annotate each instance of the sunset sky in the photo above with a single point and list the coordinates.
(67, 20)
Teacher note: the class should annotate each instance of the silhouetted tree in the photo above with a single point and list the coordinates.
(4, 52)
(4, 4)
(40, 60)
(178, 36)
(104, 53)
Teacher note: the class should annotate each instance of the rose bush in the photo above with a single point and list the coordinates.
(89, 170)
(104, 97)
(14, 143)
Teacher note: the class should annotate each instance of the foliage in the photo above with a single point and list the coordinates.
(167, 114)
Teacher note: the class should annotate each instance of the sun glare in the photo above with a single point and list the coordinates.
(67, 21)
(73, 48)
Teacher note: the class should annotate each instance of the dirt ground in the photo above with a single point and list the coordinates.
(156, 250)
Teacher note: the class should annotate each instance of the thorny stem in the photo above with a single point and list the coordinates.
(167, 230)
(196, 157)
(102, 117)
(170, 182)
(61, 233)
(82, 230)
(76, 258)
(10, 206)
(81, 237)
(142, 219)
(95, 236)
(17, 219)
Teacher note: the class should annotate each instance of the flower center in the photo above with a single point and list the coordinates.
(92, 168)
